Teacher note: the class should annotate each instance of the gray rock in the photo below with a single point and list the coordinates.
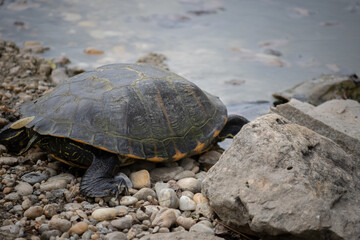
(202, 228)
(14, 196)
(48, 234)
(184, 174)
(59, 75)
(168, 198)
(186, 204)
(33, 212)
(190, 184)
(143, 193)
(160, 186)
(116, 236)
(24, 188)
(51, 209)
(185, 222)
(165, 173)
(324, 88)
(210, 157)
(181, 235)
(63, 176)
(165, 218)
(281, 178)
(12, 229)
(35, 177)
(8, 160)
(122, 223)
(335, 119)
(62, 225)
(52, 185)
(128, 200)
(187, 163)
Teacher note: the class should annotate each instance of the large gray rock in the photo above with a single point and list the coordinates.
(182, 235)
(338, 120)
(281, 179)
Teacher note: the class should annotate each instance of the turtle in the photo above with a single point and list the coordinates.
(117, 114)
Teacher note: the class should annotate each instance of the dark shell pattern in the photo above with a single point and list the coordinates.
(135, 110)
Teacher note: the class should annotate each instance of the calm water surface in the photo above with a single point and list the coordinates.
(240, 50)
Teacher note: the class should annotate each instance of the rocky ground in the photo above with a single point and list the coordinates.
(40, 196)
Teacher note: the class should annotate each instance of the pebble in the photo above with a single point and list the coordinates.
(26, 204)
(140, 179)
(190, 184)
(188, 194)
(8, 160)
(62, 225)
(34, 177)
(165, 219)
(52, 185)
(210, 157)
(165, 173)
(187, 163)
(160, 186)
(51, 209)
(103, 214)
(24, 188)
(143, 193)
(128, 200)
(116, 236)
(168, 198)
(59, 75)
(14, 196)
(205, 210)
(185, 222)
(33, 212)
(164, 230)
(184, 174)
(186, 204)
(200, 198)
(7, 190)
(50, 233)
(122, 223)
(203, 228)
(63, 176)
(122, 210)
(79, 228)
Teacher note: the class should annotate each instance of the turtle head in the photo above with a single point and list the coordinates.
(232, 127)
(15, 136)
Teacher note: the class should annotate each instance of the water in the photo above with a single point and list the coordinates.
(225, 47)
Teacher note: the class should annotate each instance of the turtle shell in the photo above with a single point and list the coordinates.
(136, 110)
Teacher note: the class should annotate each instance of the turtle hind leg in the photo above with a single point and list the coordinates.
(99, 180)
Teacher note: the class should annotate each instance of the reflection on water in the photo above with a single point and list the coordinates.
(239, 50)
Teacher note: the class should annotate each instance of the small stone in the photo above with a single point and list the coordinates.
(95, 236)
(51, 233)
(186, 204)
(26, 204)
(141, 216)
(24, 188)
(128, 200)
(205, 210)
(33, 212)
(52, 185)
(122, 223)
(93, 51)
(178, 229)
(14, 196)
(45, 69)
(200, 227)
(187, 223)
(62, 225)
(7, 190)
(184, 174)
(34, 177)
(168, 198)
(164, 173)
(51, 209)
(190, 184)
(165, 219)
(63, 176)
(122, 210)
(187, 163)
(61, 60)
(210, 157)
(116, 236)
(79, 228)
(12, 229)
(164, 230)
(143, 193)
(160, 186)
(200, 198)
(140, 179)
(8, 161)
(103, 214)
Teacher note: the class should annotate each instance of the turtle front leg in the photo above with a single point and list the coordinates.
(99, 180)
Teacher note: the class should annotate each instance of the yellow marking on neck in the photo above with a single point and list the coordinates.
(179, 155)
(67, 162)
(21, 122)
